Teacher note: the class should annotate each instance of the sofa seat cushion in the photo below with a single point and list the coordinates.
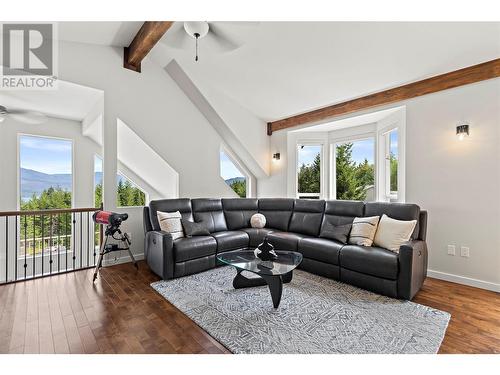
(230, 240)
(256, 235)
(372, 260)
(194, 247)
(320, 249)
(288, 241)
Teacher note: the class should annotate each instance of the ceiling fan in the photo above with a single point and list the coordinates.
(28, 117)
(215, 36)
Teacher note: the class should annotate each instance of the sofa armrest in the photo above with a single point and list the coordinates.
(159, 253)
(412, 268)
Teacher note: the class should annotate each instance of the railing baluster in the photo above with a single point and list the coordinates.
(73, 238)
(15, 263)
(34, 246)
(81, 241)
(43, 239)
(25, 242)
(88, 239)
(58, 241)
(51, 243)
(6, 249)
(66, 239)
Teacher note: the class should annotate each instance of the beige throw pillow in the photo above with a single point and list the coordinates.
(392, 233)
(170, 222)
(363, 230)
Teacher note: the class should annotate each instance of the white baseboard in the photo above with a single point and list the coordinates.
(464, 280)
(110, 260)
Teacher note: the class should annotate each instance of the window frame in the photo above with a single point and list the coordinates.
(310, 142)
(333, 155)
(386, 141)
(22, 134)
(119, 172)
(239, 167)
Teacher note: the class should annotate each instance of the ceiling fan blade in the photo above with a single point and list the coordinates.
(224, 37)
(28, 117)
(176, 37)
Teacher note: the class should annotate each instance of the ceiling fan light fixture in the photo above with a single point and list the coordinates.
(196, 30)
(196, 27)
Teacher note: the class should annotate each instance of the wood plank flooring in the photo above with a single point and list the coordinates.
(121, 313)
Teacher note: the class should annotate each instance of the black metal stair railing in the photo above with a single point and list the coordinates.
(45, 242)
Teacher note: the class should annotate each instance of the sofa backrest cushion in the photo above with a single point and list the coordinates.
(341, 212)
(277, 211)
(210, 213)
(306, 217)
(238, 211)
(398, 211)
(183, 205)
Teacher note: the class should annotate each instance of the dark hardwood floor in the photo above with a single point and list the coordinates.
(122, 314)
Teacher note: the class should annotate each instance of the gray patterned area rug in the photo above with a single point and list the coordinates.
(316, 315)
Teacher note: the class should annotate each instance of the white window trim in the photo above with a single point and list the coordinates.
(383, 173)
(240, 167)
(19, 135)
(322, 167)
(333, 156)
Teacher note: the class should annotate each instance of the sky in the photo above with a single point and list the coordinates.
(46, 155)
(227, 168)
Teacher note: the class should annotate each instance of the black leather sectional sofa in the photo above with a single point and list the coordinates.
(292, 224)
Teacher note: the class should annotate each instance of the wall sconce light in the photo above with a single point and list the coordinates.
(276, 156)
(462, 131)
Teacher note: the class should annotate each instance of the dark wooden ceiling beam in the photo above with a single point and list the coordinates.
(465, 76)
(148, 35)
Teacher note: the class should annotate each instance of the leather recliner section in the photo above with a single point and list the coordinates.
(277, 211)
(371, 260)
(307, 216)
(209, 212)
(182, 205)
(239, 211)
(231, 240)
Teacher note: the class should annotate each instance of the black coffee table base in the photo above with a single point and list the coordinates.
(275, 283)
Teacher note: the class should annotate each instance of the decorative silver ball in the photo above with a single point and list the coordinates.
(258, 221)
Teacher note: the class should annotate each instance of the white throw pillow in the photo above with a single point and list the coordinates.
(170, 222)
(258, 221)
(392, 233)
(363, 230)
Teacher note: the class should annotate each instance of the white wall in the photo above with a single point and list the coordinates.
(457, 182)
(154, 107)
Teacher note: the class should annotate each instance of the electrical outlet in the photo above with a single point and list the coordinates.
(451, 249)
(464, 251)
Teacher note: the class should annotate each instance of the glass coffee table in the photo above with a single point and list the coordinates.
(273, 273)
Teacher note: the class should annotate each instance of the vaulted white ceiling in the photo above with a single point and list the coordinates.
(285, 68)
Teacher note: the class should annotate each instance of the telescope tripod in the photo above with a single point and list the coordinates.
(108, 248)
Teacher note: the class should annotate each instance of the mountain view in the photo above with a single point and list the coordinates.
(34, 182)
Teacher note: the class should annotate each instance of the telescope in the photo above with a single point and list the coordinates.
(109, 218)
(112, 220)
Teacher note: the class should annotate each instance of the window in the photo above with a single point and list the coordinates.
(46, 182)
(391, 164)
(127, 193)
(46, 177)
(354, 176)
(232, 175)
(309, 171)
(97, 181)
